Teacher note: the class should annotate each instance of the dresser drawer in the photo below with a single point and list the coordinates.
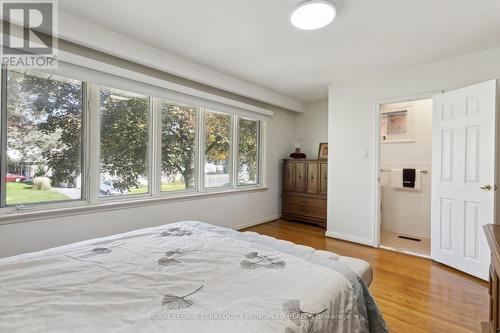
(304, 210)
(310, 202)
(294, 209)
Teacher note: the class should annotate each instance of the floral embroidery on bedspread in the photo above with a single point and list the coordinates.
(176, 231)
(174, 302)
(101, 250)
(172, 257)
(301, 319)
(254, 260)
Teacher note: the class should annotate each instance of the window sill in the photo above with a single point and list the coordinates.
(111, 205)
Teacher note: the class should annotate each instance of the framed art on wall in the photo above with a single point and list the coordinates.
(396, 125)
(323, 151)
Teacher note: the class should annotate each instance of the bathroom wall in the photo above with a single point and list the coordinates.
(406, 211)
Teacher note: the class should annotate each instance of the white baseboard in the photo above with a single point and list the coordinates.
(349, 238)
(256, 222)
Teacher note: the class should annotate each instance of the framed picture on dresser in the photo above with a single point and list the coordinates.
(323, 151)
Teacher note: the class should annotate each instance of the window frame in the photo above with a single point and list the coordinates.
(159, 138)
(149, 149)
(231, 165)
(91, 201)
(259, 149)
(33, 206)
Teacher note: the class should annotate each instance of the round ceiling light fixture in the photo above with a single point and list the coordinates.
(313, 14)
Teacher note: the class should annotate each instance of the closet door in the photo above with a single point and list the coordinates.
(323, 177)
(312, 177)
(300, 176)
(289, 175)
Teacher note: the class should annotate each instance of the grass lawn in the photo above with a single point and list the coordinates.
(164, 188)
(172, 187)
(19, 193)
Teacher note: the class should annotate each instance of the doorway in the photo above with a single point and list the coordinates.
(461, 182)
(405, 148)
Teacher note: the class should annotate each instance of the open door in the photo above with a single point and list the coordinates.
(463, 177)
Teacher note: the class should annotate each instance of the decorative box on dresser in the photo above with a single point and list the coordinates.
(492, 232)
(304, 191)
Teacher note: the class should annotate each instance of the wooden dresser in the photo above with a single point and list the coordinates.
(493, 236)
(304, 191)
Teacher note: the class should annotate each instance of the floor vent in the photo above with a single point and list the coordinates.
(409, 238)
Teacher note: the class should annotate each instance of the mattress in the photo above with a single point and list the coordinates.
(362, 268)
(186, 277)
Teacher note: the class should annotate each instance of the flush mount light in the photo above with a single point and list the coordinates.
(313, 14)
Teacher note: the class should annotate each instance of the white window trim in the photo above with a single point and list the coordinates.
(260, 139)
(91, 200)
(231, 166)
(81, 207)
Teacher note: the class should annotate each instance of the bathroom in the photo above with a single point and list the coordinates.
(405, 176)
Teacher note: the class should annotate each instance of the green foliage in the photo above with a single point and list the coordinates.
(124, 138)
(248, 147)
(44, 122)
(218, 137)
(45, 128)
(178, 141)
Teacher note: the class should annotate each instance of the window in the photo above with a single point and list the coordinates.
(217, 149)
(44, 136)
(147, 146)
(178, 147)
(124, 143)
(248, 151)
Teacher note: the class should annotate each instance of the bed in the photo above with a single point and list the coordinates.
(186, 277)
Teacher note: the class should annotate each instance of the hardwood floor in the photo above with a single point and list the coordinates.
(414, 294)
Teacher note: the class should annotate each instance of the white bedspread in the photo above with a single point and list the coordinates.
(182, 277)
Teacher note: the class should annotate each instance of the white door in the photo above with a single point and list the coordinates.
(463, 177)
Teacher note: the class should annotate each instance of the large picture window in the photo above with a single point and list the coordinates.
(68, 143)
(178, 147)
(44, 135)
(217, 149)
(124, 143)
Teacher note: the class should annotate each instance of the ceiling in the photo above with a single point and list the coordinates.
(253, 40)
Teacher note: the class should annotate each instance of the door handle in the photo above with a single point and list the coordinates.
(487, 187)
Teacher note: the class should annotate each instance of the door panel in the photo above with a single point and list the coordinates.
(300, 176)
(463, 158)
(446, 224)
(312, 177)
(471, 219)
(472, 134)
(289, 175)
(323, 180)
(447, 155)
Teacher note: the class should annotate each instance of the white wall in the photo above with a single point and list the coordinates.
(408, 212)
(312, 128)
(351, 211)
(233, 211)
